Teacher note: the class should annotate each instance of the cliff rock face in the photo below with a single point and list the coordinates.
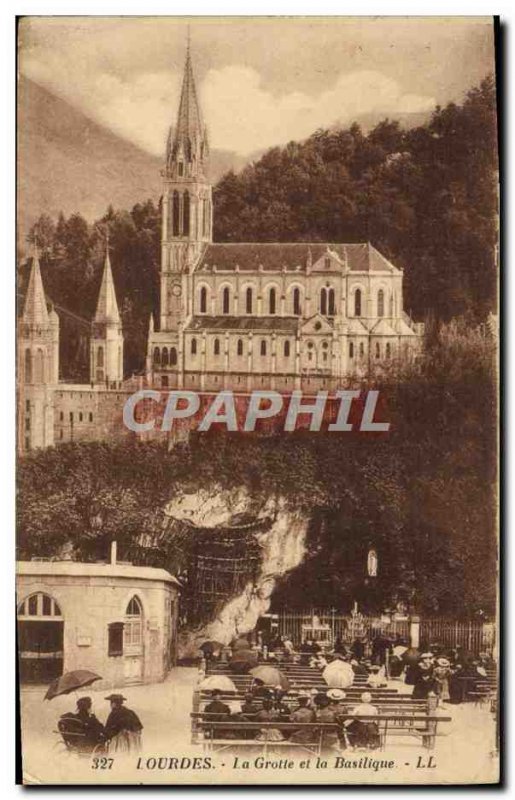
(281, 543)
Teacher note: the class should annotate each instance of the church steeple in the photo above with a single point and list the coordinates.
(187, 148)
(106, 345)
(35, 311)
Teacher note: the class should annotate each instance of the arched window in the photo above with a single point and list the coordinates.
(133, 625)
(263, 347)
(239, 347)
(39, 366)
(380, 303)
(193, 347)
(216, 347)
(175, 213)
(357, 303)
(248, 300)
(323, 302)
(157, 355)
(203, 300)
(164, 357)
(391, 305)
(287, 348)
(39, 605)
(378, 350)
(173, 356)
(327, 263)
(271, 301)
(351, 350)
(225, 300)
(332, 307)
(28, 366)
(186, 214)
(100, 357)
(296, 302)
(361, 350)
(388, 352)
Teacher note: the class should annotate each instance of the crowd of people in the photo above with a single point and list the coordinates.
(84, 732)
(265, 704)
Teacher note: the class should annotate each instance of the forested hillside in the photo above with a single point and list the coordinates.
(425, 197)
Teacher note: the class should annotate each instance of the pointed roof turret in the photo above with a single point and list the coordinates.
(35, 310)
(107, 307)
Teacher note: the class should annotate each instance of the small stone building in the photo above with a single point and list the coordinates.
(117, 620)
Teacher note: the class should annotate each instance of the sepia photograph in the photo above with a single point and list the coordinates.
(257, 400)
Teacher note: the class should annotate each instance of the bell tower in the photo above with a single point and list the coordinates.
(187, 204)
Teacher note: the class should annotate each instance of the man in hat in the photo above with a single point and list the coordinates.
(425, 681)
(123, 727)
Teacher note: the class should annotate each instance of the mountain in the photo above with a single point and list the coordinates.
(67, 162)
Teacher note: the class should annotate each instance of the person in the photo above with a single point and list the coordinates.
(123, 727)
(358, 648)
(289, 649)
(425, 682)
(82, 729)
(268, 714)
(441, 673)
(358, 668)
(259, 689)
(361, 732)
(377, 678)
(303, 713)
(328, 712)
(249, 708)
(218, 711)
(336, 698)
(339, 646)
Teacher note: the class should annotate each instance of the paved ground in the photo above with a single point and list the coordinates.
(464, 754)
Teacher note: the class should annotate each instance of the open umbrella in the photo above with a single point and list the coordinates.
(70, 682)
(221, 682)
(411, 656)
(338, 675)
(242, 661)
(399, 650)
(271, 676)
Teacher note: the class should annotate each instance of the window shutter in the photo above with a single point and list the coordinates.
(115, 639)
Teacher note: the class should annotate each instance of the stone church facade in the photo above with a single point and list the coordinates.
(246, 316)
(253, 316)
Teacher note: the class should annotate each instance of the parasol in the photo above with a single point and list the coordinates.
(271, 676)
(243, 660)
(338, 675)
(240, 644)
(70, 682)
(221, 682)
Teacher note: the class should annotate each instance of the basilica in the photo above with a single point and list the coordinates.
(278, 316)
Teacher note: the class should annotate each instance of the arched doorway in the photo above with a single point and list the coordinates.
(133, 640)
(40, 634)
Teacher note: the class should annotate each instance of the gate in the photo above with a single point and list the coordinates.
(329, 626)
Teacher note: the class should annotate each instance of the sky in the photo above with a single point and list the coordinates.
(261, 81)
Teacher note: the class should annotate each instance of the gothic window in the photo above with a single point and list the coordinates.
(100, 357)
(378, 350)
(164, 357)
(351, 350)
(380, 303)
(391, 305)
(287, 349)
(39, 367)
(388, 350)
(263, 347)
(323, 302)
(173, 356)
(175, 213)
(357, 303)
(186, 214)
(193, 347)
(133, 627)
(164, 381)
(331, 304)
(157, 355)
(296, 301)
(248, 301)
(180, 169)
(271, 301)
(239, 347)
(216, 347)
(225, 300)
(28, 366)
(361, 349)
(203, 300)
(327, 262)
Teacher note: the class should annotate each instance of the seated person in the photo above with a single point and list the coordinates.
(303, 713)
(328, 711)
(82, 730)
(268, 713)
(364, 733)
(218, 711)
(249, 708)
(358, 668)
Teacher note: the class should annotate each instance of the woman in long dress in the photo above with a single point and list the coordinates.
(123, 727)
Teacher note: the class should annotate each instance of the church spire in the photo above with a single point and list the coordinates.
(107, 307)
(35, 309)
(187, 148)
